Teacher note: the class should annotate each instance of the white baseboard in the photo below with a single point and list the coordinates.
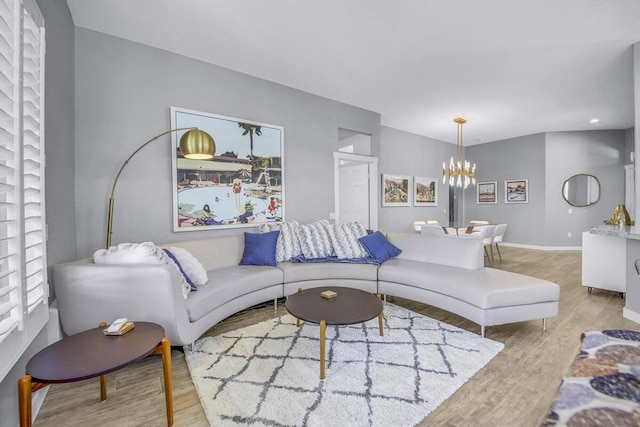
(631, 315)
(543, 248)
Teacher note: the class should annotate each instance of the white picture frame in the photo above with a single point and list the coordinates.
(425, 191)
(242, 186)
(396, 190)
(516, 191)
(487, 192)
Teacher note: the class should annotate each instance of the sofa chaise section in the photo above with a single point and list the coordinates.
(446, 273)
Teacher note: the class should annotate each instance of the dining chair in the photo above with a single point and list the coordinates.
(486, 235)
(497, 238)
(451, 231)
(433, 230)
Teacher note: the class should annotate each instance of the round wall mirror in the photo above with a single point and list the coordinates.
(581, 190)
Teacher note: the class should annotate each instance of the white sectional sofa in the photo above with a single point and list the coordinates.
(443, 272)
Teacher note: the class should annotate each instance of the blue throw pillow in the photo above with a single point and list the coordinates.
(260, 248)
(379, 247)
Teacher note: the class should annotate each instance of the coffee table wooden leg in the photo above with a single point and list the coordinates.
(298, 320)
(323, 336)
(380, 320)
(168, 388)
(103, 387)
(24, 399)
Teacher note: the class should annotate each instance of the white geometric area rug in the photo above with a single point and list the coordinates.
(268, 374)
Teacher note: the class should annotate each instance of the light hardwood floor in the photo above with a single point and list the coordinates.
(516, 388)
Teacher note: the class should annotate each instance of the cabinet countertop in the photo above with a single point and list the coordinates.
(632, 232)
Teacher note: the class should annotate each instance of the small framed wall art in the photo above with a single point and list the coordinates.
(425, 191)
(396, 190)
(488, 192)
(516, 191)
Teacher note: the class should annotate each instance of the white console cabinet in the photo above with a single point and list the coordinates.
(604, 262)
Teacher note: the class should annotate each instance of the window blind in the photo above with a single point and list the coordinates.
(9, 124)
(33, 167)
(23, 281)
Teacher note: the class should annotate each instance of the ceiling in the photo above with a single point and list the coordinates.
(511, 68)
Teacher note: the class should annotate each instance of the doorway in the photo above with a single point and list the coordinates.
(356, 189)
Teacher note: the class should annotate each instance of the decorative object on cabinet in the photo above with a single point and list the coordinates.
(488, 192)
(242, 186)
(581, 190)
(461, 173)
(620, 216)
(396, 190)
(194, 143)
(425, 191)
(516, 191)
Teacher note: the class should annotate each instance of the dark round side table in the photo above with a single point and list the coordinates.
(348, 307)
(91, 354)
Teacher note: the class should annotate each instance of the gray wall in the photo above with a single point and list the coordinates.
(123, 94)
(403, 153)
(516, 158)
(59, 131)
(598, 153)
(59, 174)
(547, 160)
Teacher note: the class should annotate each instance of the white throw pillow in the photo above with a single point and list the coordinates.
(288, 245)
(129, 253)
(314, 240)
(344, 239)
(190, 265)
(139, 253)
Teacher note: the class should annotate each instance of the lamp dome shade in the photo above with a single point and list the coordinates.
(197, 144)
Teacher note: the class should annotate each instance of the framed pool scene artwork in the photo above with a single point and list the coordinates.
(487, 192)
(396, 190)
(425, 191)
(516, 191)
(241, 186)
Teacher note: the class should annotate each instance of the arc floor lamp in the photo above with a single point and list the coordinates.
(194, 144)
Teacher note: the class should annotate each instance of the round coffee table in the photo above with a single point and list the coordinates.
(91, 354)
(348, 307)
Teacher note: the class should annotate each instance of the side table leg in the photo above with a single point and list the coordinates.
(24, 399)
(103, 387)
(168, 388)
(323, 335)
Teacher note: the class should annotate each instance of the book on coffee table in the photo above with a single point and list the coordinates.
(328, 294)
(123, 329)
